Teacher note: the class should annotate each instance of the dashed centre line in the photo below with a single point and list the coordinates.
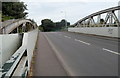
(82, 41)
(90, 44)
(111, 51)
(60, 34)
(67, 37)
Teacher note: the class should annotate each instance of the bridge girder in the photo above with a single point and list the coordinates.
(111, 19)
(18, 27)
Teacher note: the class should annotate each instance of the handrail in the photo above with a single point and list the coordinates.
(11, 64)
(17, 20)
(12, 21)
(11, 26)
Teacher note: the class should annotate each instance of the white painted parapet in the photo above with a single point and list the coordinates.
(32, 38)
(19, 62)
(29, 40)
(9, 43)
(102, 31)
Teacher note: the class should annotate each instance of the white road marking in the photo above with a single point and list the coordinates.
(82, 42)
(111, 51)
(67, 37)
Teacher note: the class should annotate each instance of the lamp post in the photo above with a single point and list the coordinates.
(65, 19)
(119, 11)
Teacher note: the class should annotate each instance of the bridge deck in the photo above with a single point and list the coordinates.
(46, 62)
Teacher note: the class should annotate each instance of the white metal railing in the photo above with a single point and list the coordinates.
(19, 63)
(11, 66)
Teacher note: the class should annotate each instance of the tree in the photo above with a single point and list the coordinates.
(48, 25)
(14, 9)
(62, 24)
(40, 28)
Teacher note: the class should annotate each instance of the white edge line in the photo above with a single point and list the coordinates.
(65, 66)
(111, 51)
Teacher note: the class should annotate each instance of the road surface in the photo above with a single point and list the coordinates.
(46, 62)
(84, 55)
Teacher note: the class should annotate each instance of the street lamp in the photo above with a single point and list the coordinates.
(119, 11)
(65, 19)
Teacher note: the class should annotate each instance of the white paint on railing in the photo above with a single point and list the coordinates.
(25, 39)
(10, 27)
(19, 52)
(32, 37)
(103, 31)
(28, 44)
(9, 43)
(20, 68)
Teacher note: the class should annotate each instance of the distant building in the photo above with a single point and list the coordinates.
(119, 11)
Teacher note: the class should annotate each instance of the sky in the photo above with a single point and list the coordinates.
(71, 10)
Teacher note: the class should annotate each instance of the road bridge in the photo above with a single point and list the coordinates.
(92, 51)
(97, 25)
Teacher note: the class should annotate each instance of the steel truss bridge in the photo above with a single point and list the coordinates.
(110, 20)
(104, 23)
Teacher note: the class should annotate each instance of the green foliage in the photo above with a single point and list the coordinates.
(62, 24)
(4, 18)
(48, 25)
(40, 28)
(71, 26)
(14, 9)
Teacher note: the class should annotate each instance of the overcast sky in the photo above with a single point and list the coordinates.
(72, 10)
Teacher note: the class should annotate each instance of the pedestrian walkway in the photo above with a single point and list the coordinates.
(46, 62)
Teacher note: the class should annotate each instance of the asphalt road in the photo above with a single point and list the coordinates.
(46, 62)
(84, 55)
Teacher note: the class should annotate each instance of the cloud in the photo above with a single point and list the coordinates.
(74, 10)
(70, 0)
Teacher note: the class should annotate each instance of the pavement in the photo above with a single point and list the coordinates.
(76, 55)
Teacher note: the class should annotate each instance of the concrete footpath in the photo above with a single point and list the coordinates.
(46, 62)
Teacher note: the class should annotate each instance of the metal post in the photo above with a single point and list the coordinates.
(23, 27)
(17, 29)
(110, 20)
(65, 19)
(98, 20)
